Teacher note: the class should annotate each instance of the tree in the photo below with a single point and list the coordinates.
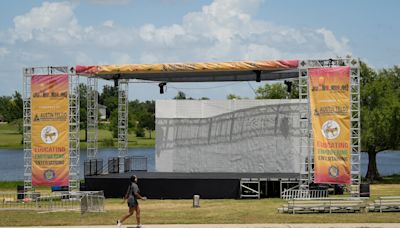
(204, 98)
(380, 114)
(83, 108)
(233, 97)
(17, 106)
(109, 98)
(114, 123)
(147, 121)
(144, 114)
(294, 93)
(272, 91)
(180, 96)
(5, 102)
(11, 107)
(288, 89)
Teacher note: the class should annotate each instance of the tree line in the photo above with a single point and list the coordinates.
(11, 109)
(141, 115)
(379, 100)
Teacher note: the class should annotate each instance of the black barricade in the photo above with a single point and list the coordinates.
(135, 163)
(113, 165)
(93, 167)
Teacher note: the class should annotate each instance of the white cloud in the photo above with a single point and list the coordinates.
(26, 56)
(82, 57)
(224, 30)
(338, 46)
(52, 22)
(108, 23)
(165, 36)
(121, 58)
(227, 30)
(110, 2)
(3, 52)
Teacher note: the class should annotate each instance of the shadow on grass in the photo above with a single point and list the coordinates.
(392, 179)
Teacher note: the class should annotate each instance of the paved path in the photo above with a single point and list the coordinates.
(326, 225)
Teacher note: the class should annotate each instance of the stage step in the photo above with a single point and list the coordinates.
(250, 188)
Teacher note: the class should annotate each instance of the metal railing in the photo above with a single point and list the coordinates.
(304, 194)
(352, 204)
(135, 163)
(90, 201)
(95, 167)
(385, 203)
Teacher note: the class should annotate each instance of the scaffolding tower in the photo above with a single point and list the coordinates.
(306, 138)
(74, 127)
(92, 117)
(73, 121)
(355, 127)
(123, 87)
(27, 127)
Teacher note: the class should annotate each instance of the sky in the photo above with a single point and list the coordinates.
(54, 33)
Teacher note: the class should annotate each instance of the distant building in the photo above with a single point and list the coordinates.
(102, 112)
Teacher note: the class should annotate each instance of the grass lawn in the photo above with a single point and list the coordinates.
(10, 138)
(211, 211)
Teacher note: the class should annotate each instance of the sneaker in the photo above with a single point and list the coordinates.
(139, 226)
(119, 224)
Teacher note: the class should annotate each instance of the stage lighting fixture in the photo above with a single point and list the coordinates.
(288, 86)
(258, 75)
(116, 79)
(161, 85)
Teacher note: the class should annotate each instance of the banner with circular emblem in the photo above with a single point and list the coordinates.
(329, 91)
(50, 130)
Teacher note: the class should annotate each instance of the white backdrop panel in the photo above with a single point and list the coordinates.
(228, 136)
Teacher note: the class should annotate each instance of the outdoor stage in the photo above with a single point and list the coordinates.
(168, 185)
(255, 151)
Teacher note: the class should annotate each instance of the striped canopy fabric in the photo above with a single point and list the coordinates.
(194, 72)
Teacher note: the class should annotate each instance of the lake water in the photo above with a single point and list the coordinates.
(12, 165)
(12, 162)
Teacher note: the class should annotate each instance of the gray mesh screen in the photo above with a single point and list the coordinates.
(263, 138)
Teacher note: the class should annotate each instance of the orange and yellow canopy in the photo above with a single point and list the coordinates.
(195, 72)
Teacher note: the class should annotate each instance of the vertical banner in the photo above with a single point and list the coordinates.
(330, 107)
(50, 130)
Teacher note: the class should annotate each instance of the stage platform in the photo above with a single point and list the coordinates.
(164, 185)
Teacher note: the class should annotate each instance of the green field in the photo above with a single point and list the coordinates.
(10, 138)
(211, 211)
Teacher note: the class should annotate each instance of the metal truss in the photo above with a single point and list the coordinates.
(92, 117)
(123, 86)
(355, 128)
(306, 135)
(74, 127)
(306, 143)
(73, 122)
(27, 128)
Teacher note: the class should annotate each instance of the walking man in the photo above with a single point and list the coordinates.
(132, 195)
